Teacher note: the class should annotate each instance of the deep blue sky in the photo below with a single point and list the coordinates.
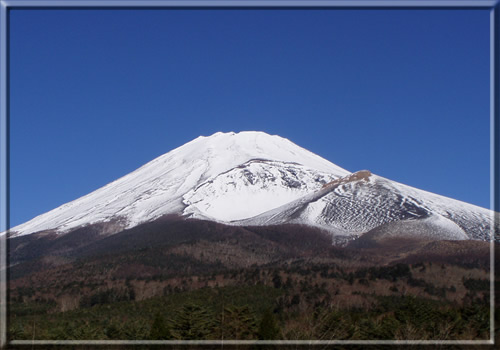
(95, 94)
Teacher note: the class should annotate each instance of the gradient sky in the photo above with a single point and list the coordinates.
(94, 94)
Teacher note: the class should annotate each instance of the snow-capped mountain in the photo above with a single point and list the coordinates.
(252, 178)
(223, 177)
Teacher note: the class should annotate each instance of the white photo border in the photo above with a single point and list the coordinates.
(6, 6)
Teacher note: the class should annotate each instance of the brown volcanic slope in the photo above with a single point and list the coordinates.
(259, 244)
(193, 253)
(386, 250)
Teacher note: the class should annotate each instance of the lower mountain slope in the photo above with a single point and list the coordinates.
(209, 243)
(238, 277)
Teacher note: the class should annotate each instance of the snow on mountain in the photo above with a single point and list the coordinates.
(430, 227)
(252, 188)
(252, 178)
(226, 176)
(360, 202)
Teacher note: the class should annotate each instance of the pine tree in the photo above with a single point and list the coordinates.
(237, 323)
(268, 327)
(159, 329)
(193, 322)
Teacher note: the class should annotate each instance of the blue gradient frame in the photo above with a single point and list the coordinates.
(5, 6)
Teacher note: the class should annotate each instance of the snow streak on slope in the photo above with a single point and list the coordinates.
(431, 227)
(160, 186)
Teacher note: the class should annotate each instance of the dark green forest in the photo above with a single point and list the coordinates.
(255, 312)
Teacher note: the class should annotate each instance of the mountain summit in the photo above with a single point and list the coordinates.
(252, 178)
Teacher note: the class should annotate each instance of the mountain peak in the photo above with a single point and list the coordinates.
(240, 133)
(242, 136)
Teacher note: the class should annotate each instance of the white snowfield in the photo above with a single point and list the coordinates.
(195, 179)
(252, 178)
(251, 189)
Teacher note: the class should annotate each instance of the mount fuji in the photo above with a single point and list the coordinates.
(255, 179)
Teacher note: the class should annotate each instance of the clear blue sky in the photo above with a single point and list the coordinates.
(97, 93)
